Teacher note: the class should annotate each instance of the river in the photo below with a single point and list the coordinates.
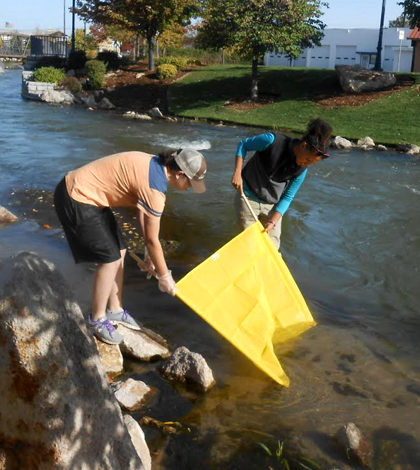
(351, 240)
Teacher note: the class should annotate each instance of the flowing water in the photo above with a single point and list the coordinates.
(351, 240)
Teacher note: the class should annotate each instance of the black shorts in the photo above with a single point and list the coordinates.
(92, 232)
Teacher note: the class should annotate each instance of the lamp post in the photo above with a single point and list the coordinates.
(73, 36)
(378, 60)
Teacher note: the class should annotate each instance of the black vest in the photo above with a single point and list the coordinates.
(267, 173)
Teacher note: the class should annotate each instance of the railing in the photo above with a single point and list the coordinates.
(14, 45)
(49, 46)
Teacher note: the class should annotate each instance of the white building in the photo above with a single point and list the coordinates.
(351, 47)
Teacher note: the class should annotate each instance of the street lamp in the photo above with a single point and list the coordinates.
(378, 60)
(73, 36)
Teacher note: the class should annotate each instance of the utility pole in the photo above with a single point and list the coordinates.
(378, 60)
(64, 18)
(73, 36)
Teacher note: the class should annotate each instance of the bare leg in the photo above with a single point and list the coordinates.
(115, 302)
(102, 286)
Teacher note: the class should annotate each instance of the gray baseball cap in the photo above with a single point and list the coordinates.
(194, 165)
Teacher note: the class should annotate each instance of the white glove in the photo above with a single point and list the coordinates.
(167, 283)
(150, 265)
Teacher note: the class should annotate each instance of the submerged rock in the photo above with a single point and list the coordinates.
(57, 411)
(354, 445)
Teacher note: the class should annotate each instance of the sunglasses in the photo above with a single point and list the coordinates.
(323, 155)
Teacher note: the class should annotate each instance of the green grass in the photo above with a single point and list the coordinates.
(203, 94)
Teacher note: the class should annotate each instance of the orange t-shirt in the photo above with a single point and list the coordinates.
(123, 179)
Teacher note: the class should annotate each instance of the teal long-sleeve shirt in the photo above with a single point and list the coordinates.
(259, 143)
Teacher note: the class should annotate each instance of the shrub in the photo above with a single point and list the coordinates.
(166, 71)
(71, 84)
(179, 62)
(77, 60)
(49, 75)
(110, 58)
(96, 73)
(51, 61)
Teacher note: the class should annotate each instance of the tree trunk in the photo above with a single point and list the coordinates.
(254, 81)
(151, 44)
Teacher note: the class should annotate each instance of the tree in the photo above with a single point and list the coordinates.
(254, 27)
(400, 22)
(412, 12)
(145, 17)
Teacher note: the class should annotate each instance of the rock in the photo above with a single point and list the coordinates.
(131, 394)
(105, 104)
(353, 444)
(187, 366)
(134, 115)
(139, 75)
(365, 147)
(2, 70)
(111, 357)
(138, 440)
(381, 148)
(6, 216)
(356, 79)
(98, 94)
(156, 113)
(89, 101)
(57, 97)
(139, 345)
(57, 410)
(367, 141)
(341, 143)
(413, 150)
(71, 73)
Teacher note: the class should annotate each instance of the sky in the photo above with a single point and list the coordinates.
(28, 15)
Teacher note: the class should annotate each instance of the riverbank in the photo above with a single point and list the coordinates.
(288, 99)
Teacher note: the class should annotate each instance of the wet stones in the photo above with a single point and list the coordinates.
(341, 143)
(139, 345)
(131, 394)
(111, 357)
(6, 216)
(187, 366)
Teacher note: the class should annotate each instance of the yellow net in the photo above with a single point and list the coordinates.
(246, 292)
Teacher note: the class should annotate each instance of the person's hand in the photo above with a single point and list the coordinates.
(167, 283)
(237, 182)
(269, 226)
(150, 266)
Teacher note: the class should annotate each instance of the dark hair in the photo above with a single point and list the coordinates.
(167, 158)
(318, 134)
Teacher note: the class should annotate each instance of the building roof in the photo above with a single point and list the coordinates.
(415, 34)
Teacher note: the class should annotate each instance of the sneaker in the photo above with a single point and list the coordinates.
(104, 330)
(123, 317)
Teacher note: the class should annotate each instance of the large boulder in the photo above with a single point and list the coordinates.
(57, 411)
(356, 79)
(57, 97)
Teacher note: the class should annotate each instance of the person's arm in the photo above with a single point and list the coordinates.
(291, 191)
(150, 227)
(258, 143)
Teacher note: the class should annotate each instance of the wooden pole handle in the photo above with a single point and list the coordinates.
(141, 263)
(249, 206)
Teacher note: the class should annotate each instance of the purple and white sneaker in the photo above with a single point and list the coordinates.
(104, 330)
(122, 317)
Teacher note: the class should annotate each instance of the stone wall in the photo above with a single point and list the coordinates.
(33, 90)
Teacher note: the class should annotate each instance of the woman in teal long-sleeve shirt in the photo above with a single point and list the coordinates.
(273, 175)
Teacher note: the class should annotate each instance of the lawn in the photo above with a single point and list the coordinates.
(294, 94)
